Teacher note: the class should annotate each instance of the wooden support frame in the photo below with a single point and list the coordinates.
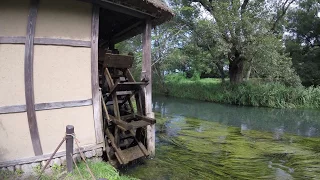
(28, 77)
(146, 72)
(45, 41)
(96, 94)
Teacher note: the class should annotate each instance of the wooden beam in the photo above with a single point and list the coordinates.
(62, 42)
(146, 65)
(127, 29)
(96, 98)
(28, 78)
(12, 40)
(64, 104)
(45, 41)
(47, 156)
(46, 106)
(146, 73)
(121, 8)
(135, 31)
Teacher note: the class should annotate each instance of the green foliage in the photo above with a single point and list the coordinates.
(275, 95)
(303, 42)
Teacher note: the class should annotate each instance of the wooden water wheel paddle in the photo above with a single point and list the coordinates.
(124, 126)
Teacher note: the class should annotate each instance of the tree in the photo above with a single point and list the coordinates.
(303, 41)
(238, 23)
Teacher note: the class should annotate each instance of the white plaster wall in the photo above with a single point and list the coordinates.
(69, 19)
(15, 140)
(13, 17)
(61, 73)
(52, 125)
(11, 74)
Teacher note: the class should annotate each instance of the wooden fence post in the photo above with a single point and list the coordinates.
(69, 147)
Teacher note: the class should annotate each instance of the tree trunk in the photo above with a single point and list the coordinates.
(248, 73)
(236, 70)
(222, 73)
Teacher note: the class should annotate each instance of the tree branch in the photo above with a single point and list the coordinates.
(244, 6)
(285, 6)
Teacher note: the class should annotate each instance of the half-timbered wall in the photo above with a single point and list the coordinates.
(59, 76)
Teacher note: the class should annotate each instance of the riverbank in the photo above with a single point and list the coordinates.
(274, 95)
(99, 168)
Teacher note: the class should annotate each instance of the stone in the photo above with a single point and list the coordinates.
(57, 161)
(63, 160)
(17, 167)
(88, 154)
(27, 169)
(76, 157)
(43, 163)
(99, 152)
(94, 153)
(10, 168)
(35, 165)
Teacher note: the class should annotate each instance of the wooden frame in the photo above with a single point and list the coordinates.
(96, 94)
(45, 41)
(28, 78)
(106, 4)
(46, 106)
(146, 72)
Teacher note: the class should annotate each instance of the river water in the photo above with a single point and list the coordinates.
(203, 140)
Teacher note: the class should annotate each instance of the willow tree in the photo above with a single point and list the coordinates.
(238, 23)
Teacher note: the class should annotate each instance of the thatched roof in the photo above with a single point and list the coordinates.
(157, 8)
(122, 19)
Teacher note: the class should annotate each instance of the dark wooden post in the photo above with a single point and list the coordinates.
(147, 72)
(69, 147)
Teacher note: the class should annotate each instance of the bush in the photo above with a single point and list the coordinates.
(275, 95)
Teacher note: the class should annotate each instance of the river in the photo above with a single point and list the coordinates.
(203, 140)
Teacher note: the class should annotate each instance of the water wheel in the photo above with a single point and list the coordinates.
(125, 126)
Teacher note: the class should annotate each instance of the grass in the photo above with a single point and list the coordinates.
(254, 93)
(99, 168)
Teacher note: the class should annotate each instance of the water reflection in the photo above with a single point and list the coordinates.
(279, 121)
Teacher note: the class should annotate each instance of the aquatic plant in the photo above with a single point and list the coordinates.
(209, 150)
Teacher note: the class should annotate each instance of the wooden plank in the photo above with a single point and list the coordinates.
(62, 42)
(147, 119)
(96, 100)
(46, 106)
(63, 104)
(45, 41)
(28, 77)
(124, 125)
(47, 156)
(117, 60)
(146, 72)
(12, 109)
(120, 156)
(12, 40)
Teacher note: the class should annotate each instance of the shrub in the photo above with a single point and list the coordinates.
(275, 95)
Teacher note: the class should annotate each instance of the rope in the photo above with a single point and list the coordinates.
(55, 151)
(81, 154)
(84, 159)
(76, 166)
